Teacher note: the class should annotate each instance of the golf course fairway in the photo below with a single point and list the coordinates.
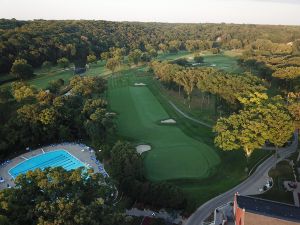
(174, 155)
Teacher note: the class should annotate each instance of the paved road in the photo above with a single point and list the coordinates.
(244, 188)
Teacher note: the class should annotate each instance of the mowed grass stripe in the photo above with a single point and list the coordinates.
(174, 155)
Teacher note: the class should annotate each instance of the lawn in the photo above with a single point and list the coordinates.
(222, 62)
(45, 75)
(173, 56)
(184, 154)
(139, 119)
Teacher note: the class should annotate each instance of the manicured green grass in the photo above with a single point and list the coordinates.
(225, 61)
(174, 155)
(173, 56)
(44, 76)
(222, 62)
(182, 153)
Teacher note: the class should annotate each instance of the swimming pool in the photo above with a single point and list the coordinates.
(55, 158)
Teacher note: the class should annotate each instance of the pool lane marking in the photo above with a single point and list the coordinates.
(41, 154)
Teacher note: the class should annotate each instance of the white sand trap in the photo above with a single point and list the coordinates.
(196, 64)
(110, 114)
(142, 148)
(213, 65)
(139, 84)
(168, 121)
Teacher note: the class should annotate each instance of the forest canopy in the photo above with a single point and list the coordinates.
(40, 41)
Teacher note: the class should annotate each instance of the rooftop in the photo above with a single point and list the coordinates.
(269, 208)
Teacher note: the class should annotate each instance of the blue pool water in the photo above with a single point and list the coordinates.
(50, 159)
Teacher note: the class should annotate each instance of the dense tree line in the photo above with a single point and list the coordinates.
(229, 87)
(30, 117)
(279, 63)
(55, 196)
(41, 41)
(262, 120)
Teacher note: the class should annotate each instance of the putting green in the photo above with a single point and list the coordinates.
(174, 155)
(223, 62)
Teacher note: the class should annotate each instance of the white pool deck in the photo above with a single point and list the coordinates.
(87, 157)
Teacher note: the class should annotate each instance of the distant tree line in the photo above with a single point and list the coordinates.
(41, 41)
(277, 63)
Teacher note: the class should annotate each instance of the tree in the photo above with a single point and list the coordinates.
(163, 47)
(99, 126)
(21, 69)
(215, 50)
(188, 80)
(229, 87)
(48, 116)
(174, 46)
(146, 57)
(55, 86)
(235, 44)
(294, 108)
(46, 64)
(105, 55)
(117, 53)
(280, 124)
(252, 127)
(112, 64)
(4, 220)
(191, 45)
(240, 131)
(198, 58)
(40, 198)
(296, 47)
(153, 53)
(165, 71)
(135, 56)
(44, 97)
(91, 59)
(87, 86)
(91, 105)
(63, 62)
(287, 73)
(181, 62)
(5, 94)
(22, 91)
(125, 161)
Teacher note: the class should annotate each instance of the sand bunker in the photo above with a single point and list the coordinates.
(139, 84)
(142, 148)
(110, 114)
(168, 121)
(196, 64)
